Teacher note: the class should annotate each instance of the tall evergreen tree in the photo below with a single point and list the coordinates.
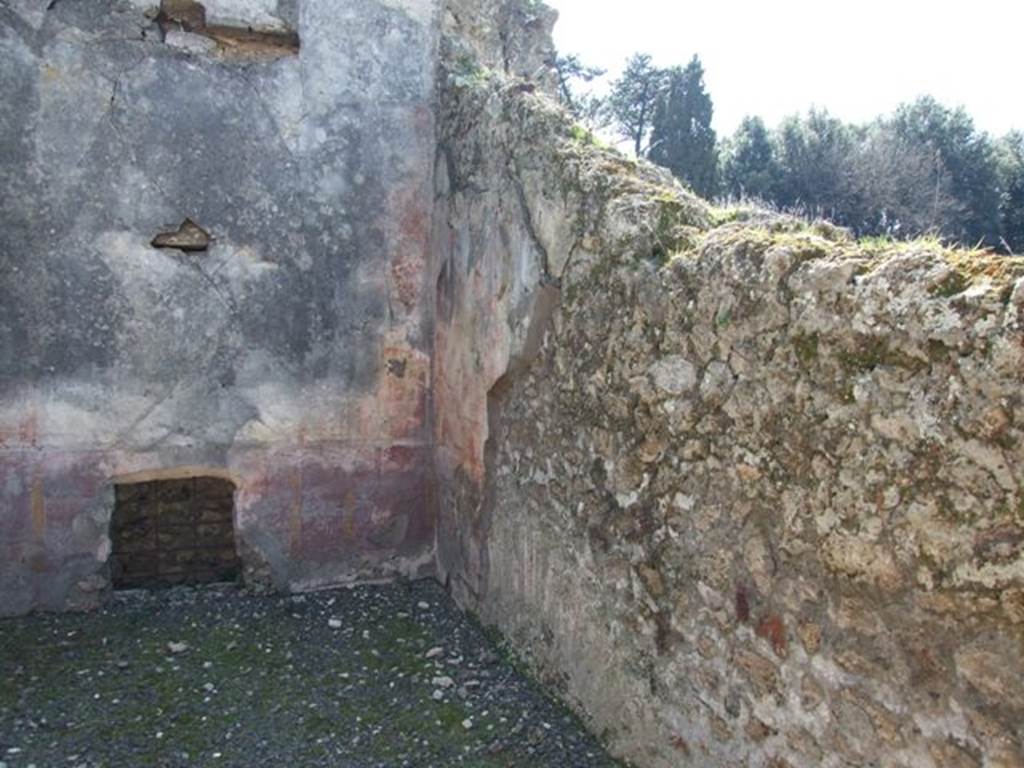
(682, 138)
(813, 154)
(967, 155)
(584, 106)
(1011, 208)
(749, 168)
(634, 98)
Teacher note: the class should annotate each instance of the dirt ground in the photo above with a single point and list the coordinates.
(219, 676)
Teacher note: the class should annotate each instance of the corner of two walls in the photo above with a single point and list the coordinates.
(758, 504)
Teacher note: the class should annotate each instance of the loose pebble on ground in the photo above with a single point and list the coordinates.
(369, 677)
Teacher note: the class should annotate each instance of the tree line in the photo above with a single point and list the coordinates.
(925, 169)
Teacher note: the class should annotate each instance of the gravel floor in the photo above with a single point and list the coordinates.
(373, 676)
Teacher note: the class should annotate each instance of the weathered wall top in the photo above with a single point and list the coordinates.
(511, 37)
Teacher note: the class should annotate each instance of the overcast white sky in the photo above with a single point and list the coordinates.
(857, 59)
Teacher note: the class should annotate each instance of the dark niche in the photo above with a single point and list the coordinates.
(188, 237)
(190, 16)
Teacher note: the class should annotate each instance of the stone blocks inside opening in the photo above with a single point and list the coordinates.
(171, 532)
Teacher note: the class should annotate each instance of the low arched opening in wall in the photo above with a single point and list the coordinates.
(173, 528)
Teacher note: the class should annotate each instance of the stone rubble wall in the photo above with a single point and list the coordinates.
(745, 491)
(518, 199)
(511, 37)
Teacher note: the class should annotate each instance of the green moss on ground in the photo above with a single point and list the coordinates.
(266, 680)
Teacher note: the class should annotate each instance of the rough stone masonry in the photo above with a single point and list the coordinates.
(745, 491)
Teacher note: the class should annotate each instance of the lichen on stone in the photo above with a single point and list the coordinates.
(736, 402)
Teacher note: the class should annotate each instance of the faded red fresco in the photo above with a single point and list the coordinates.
(343, 492)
